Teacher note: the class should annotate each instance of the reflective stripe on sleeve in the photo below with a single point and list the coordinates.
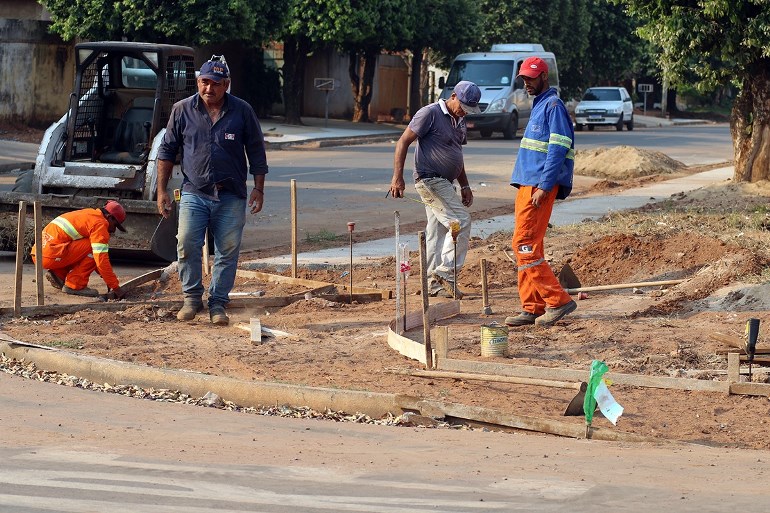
(99, 247)
(67, 227)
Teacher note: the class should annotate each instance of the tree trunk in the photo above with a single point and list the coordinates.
(750, 125)
(415, 98)
(295, 50)
(361, 68)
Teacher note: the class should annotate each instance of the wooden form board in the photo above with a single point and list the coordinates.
(527, 371)
(411, 348)
(240, 302)
(576, 429)
(435, 312)
(311, 284)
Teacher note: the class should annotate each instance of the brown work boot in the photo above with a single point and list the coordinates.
(523, 319)
(54, 280)
(218, 316)
(85, 291)
(552, 315)
(189, 310)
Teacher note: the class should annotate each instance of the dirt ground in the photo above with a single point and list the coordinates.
(716, 239)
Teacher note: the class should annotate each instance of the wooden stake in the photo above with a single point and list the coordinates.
(424, 285)
(733, 367)
(294, 228)
(440, 336)
(19, 258)
(39, 252)
(206, 262)
(256, 331)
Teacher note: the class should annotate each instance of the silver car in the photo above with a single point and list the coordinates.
(605, 106)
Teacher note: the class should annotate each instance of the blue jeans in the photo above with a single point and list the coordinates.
(225, 219)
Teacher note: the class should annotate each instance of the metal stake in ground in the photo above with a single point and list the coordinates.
(404, 268)
(454, 228)
(351, 226)
(486, 309)
(399, 329)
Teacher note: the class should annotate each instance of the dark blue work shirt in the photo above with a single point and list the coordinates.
(214, 154)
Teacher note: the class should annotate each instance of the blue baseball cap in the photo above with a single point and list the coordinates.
(469, 95)
(214, 70)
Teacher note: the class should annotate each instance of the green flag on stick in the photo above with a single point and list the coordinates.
(598, 369)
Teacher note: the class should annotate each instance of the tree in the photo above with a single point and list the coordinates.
(439, 31)
(719, 41)
(561, 26)
(359, 28)
(373, 26)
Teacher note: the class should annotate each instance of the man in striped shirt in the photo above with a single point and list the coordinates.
(76, 244)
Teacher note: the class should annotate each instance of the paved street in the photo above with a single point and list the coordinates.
(69, 450)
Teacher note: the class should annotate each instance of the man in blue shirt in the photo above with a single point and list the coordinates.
(439, 129)
(542, 174)
(215, 132)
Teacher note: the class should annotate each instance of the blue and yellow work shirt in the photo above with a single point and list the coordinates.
(547, 152)
(214, 154)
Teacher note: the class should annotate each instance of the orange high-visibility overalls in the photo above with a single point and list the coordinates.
(538, 286)
(76, 244)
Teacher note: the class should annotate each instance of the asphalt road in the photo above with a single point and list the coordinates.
(349, 183)
(69, 450)
(337, 185)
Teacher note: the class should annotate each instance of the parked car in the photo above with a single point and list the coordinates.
(605, 106)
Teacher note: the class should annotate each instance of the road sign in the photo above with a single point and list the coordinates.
(323, 84)
(645, 88)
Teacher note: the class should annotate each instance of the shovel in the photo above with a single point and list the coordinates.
(575, 406)
(163, 242)
(567, 278)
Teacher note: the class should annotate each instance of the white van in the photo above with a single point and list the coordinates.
(505, 104)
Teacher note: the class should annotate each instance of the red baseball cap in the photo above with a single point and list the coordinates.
(118, 213)
(532, 67)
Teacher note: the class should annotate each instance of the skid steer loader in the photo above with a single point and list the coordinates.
(106, 145)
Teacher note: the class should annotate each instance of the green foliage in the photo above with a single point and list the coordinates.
(717, 40)
(189, 22)
(594, 41)
(440, 30)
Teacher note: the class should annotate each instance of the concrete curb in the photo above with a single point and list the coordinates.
(328, 142)
(244, 393)
(257, 394)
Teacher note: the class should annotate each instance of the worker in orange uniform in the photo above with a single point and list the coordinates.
(75, 244)
(542, 174)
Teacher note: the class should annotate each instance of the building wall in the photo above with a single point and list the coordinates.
(390, 86)
(37, 67)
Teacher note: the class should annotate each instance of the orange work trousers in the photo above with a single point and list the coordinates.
(538, 286)
(73, 263)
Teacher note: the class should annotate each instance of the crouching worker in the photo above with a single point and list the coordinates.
(75, 245)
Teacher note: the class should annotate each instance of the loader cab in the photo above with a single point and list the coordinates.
(122, 98)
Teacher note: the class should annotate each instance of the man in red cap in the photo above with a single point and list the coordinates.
(76, 244)
(542, 174)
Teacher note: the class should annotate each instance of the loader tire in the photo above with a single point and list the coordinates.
(24, 181)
